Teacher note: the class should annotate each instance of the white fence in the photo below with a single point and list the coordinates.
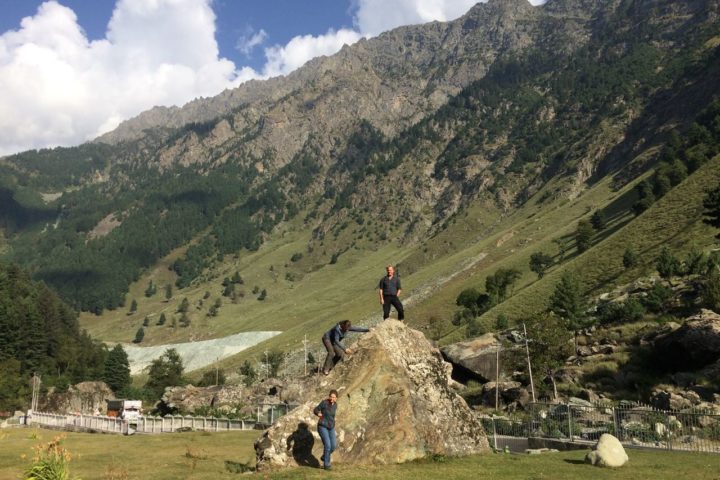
(143, 424)
(266, 415)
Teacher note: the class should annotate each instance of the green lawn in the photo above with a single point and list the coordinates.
(207, 456)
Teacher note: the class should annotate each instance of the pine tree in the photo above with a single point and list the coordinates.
(133, 307)
(184, 305)
(139, 335)
(667, 264)
(583, 235)
(166, 371)
(598, 220)
(168, 292)
(548, 346)
(116, 371)
(161, 321)
(711, 203)
(568, 303)
(630, 258)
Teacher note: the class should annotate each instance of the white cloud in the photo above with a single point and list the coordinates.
(376, 16)
(251, 39)
(59, 88)
(283, 60)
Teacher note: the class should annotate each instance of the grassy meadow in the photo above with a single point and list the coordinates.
(202, 456)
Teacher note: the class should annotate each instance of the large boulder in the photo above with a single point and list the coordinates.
(394, 405)
(477, 356)
(695, 344)
(608, 452)
(85, 397)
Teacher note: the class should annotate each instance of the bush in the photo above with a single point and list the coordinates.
(630, 310)
(657, 298)
(474, 329)
(711, 291)
(502, 322)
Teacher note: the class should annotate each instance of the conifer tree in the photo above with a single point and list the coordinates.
(711, 203)
(568, 303)
(583, 235)
(116, 371)
(166, 371)
(139, 335)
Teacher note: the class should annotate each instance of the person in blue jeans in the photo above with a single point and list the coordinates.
(326, 426)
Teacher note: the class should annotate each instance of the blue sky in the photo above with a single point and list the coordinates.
(71, 70)
(236, 20)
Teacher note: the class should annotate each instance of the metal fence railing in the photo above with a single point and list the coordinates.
(266, 415)
(633, 424)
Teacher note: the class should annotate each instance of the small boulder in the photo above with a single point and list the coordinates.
(608, 452)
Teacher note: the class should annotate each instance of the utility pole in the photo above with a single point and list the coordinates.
(305, 349)
(497, 378)
(217, 372)
(267, 365)
(527, 352)
(35, 393)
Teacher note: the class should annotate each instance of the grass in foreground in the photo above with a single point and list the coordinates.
(213, 455)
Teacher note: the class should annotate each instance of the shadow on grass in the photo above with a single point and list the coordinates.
(574, 462)
(301, 442)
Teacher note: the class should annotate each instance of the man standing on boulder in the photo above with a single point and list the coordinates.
(332, 339)
(390, 290)
(326, 426)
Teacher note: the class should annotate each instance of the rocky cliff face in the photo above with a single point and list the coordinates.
(394, 405)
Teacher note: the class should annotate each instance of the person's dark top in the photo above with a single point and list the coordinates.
(390, 286)
(328, 413)
(336, 334)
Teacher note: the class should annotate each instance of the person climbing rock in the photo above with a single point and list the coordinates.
(332, 339)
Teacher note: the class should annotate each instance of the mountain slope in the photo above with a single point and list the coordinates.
(450, 148)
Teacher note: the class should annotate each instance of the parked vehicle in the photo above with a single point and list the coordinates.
(129, 410)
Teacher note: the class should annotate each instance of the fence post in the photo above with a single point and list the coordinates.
(570, 432)
(494, 432)
(616, 423)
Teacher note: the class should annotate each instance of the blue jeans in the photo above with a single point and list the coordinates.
(329, 443)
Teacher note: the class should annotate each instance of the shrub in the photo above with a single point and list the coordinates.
(51, 462)
(657, 298)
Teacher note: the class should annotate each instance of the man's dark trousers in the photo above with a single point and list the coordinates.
(393, 300)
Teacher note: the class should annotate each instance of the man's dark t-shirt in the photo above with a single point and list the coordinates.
(390, 286)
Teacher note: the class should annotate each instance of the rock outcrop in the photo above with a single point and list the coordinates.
(695, 344)
(394, 405)
(477, 356)
(85, 397)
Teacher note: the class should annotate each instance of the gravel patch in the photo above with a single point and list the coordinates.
(196, 354)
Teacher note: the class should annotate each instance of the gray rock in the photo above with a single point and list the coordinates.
(478, 355)
(695, 344)
(608, 452)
